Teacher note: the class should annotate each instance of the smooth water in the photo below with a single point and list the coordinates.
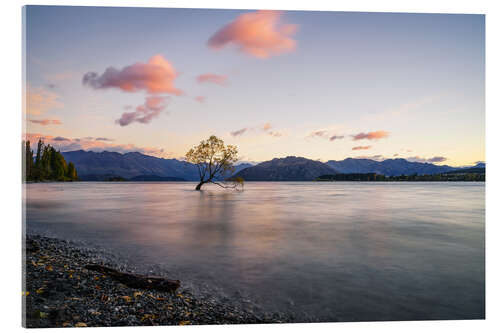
(346, 251)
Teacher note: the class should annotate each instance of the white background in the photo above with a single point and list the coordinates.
(10, 156)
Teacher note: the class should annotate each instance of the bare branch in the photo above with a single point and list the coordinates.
(234, 185)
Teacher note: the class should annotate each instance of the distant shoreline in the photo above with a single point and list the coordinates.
(264, 181)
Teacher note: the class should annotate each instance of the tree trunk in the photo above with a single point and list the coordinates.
(198, 187)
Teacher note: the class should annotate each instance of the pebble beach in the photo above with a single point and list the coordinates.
(60, 292)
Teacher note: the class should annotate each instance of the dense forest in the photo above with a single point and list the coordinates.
(471, 174)
(47, 165)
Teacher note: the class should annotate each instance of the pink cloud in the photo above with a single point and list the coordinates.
(45, 122)
(156, 76)
(370, 135)
(267, 128)
(89, 143)
(259, 34)
(212, 78)
(361, 147)
(200, 99)
(144, 113)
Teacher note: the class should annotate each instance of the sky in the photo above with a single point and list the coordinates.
(321, 85)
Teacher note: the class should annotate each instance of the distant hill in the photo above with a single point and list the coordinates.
(354, 165)
(154, 178)
(128, 165)
(480, 165)
(241, 166)
(468, 170)
(389, 167)
(100, 166)
(98, 177)
(290, 168)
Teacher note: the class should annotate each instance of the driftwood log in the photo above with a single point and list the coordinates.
(137, 281)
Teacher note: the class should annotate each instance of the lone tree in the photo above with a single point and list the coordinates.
(215, 161)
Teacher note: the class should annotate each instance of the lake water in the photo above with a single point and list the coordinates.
(333, 251)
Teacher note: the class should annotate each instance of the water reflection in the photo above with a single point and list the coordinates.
(340, 251)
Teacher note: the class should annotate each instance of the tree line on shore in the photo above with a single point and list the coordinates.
(440, 177)
(47, 165)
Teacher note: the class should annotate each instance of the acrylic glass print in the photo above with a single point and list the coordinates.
(201, 166)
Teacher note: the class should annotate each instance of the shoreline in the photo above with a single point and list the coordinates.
(58, 291)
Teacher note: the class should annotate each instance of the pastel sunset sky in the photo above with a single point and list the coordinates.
(322, 85)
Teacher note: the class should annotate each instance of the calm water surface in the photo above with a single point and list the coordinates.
(335, 251)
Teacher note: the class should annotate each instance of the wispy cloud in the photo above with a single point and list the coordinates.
(212, 78)
(320, 134)
(370, 135)
(361, 147)
(62, 76)
(378, 158)
(404, 109)
(239, 132)
(325, 134)
(275, 134)
(144, 113)
(154, 77)
(201, 99)
(435, 159)
(104, 139)
(260, 34)
(39, 100)
(60, 138)
(335, 137)
(45, 122)
(267, 128)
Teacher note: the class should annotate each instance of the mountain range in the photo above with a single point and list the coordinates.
(99, 166)
(389, 167)
(136, 166)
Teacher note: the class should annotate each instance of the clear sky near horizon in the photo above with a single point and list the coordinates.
(322, 85)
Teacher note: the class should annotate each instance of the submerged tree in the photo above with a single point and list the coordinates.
(215, 162)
